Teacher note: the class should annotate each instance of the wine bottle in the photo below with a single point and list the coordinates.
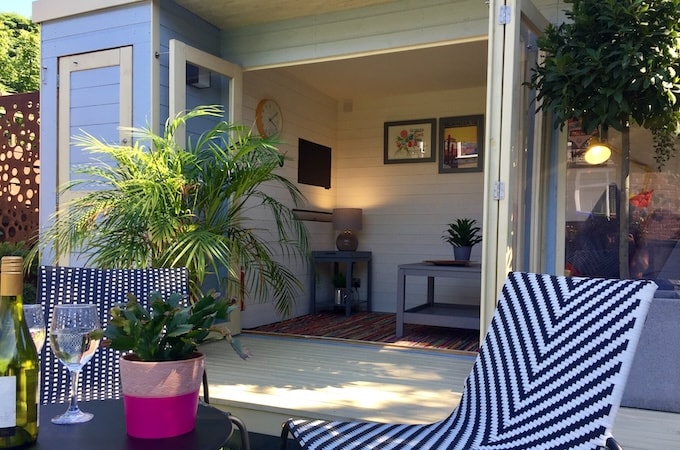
(18, 362)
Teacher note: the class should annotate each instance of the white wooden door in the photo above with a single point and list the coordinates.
(224, 73)
(514, 136)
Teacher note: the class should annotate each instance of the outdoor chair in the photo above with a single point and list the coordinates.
(550, 374)
(100, 377)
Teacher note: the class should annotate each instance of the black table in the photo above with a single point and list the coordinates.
(349, 258)
(107, 430)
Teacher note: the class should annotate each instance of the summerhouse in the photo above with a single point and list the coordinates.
(347, 78)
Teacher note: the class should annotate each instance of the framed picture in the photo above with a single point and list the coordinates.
(461, 144)
(410, 141)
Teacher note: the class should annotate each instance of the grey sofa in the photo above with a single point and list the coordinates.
(654, 380)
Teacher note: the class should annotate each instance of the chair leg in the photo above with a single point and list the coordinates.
(284, 436)
(245, 439)
(206, 395)
(612, 444)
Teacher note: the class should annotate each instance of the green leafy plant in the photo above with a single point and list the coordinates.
(463, 233)
(19, 54)
(614, 61)
(169, 330)
(160, 203)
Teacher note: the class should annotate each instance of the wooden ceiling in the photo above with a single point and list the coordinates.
(240, 13)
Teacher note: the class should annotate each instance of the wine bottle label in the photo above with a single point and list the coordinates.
(8, 413)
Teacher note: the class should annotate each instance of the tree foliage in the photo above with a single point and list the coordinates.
(614, 61)
(19, 54)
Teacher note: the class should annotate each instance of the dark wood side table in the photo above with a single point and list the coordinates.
(349, 258)
(107, 430)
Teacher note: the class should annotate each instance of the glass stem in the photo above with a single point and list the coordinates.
(73, 402)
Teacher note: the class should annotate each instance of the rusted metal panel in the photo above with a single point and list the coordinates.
(19, 166)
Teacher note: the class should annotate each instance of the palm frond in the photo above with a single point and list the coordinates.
(157, 203)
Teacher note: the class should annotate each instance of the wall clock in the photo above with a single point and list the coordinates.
(268, 118)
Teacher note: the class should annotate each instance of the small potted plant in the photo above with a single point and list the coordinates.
(162, 369)
(463, 234)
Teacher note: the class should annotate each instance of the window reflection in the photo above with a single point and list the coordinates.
(592, 227)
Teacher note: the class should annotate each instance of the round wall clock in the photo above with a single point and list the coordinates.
(268, 118)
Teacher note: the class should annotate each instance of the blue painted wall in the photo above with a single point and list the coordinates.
(178, 23)
(94, 95)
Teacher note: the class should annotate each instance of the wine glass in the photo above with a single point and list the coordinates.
(74, 337)
(35, 320)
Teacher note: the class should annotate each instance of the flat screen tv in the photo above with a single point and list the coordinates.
(314, 164)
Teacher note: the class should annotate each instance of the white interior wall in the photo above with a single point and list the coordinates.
(406, 206)
(306, 114)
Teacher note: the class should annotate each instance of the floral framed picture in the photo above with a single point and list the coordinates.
(410, 141)
(461, 144)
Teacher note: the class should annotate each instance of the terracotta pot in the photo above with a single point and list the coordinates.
(160, 398)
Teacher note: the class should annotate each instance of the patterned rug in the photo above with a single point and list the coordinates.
(374, 327)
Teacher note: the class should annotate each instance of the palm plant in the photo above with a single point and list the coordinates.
(157, 203)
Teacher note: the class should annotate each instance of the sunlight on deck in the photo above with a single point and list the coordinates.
(333, 380)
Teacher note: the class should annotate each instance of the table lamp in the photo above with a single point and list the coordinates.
(347, 220)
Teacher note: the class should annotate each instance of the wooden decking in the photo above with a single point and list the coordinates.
(329, 379)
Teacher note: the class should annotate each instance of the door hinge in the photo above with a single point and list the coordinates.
(498, 190)
(504, 14)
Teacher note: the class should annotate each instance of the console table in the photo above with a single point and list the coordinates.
(349, 258)
(437, 314)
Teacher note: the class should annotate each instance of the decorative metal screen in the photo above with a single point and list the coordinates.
(19, 166)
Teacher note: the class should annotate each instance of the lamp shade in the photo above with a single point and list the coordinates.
(597, 154)
(347, 219)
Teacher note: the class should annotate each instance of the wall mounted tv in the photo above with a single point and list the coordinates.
(314, 164)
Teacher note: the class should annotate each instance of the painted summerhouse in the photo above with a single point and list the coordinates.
(348, 77)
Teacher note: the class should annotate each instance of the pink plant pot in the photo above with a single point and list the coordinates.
(160, 398)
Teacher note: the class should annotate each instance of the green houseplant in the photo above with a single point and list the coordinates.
(160, 203)
(162, 369)
(168, 330)
(462, 234)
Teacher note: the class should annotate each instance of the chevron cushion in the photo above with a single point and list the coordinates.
(100, 378)
(550, 374)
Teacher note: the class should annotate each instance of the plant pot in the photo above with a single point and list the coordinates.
(160, 398)
(462, 253)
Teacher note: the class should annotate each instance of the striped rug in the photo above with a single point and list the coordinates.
(374, 327)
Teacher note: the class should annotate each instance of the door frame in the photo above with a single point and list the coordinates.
(180, 55)
(121, 57)
(506, 21)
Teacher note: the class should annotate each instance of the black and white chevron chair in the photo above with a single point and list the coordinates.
(100, 377)
(550, 374)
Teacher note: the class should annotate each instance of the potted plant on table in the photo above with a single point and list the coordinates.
(462, 234)
(162, 369)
